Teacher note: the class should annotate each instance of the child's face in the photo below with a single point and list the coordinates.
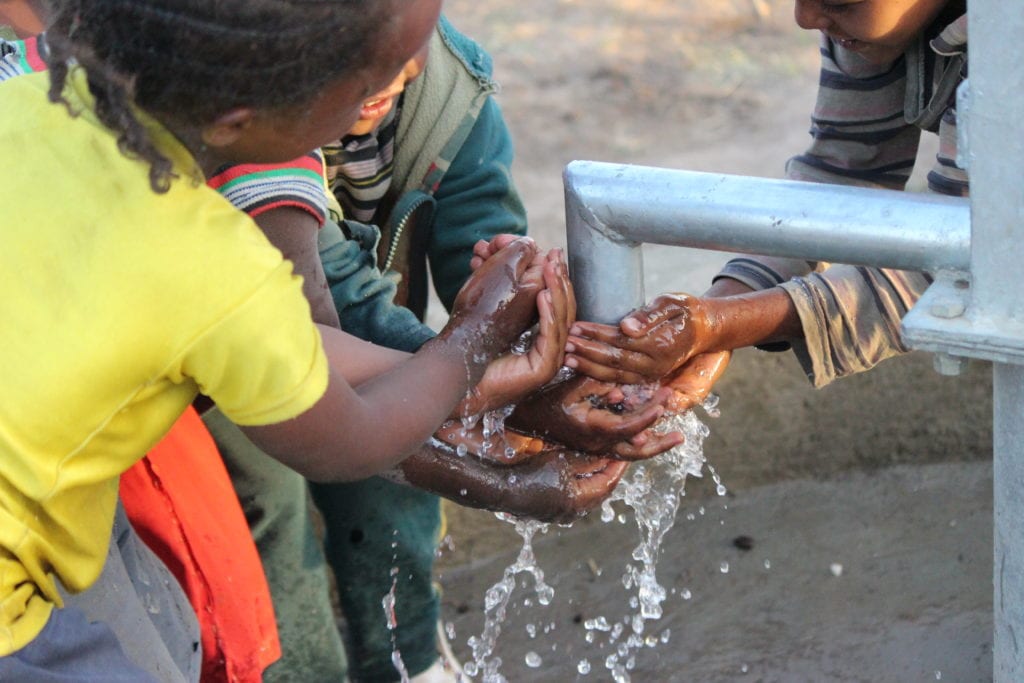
(878, 30)
(280, 136)
(377, 107)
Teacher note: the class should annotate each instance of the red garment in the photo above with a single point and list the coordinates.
(181, 502)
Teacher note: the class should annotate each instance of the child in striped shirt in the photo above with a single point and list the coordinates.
(889, 73)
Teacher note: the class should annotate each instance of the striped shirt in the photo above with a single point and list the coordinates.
(866, 128)
(19, 57)
(258, 188)
(359, 168)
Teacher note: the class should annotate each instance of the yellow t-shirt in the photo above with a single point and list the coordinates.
(118, 304)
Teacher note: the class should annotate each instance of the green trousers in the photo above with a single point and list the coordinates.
(371, 528)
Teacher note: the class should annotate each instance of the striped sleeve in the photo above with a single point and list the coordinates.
(258, 188)
(19, 57)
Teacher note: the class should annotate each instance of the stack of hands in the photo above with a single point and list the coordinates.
(568, 436)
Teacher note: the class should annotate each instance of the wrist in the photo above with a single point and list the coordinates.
(706, 317)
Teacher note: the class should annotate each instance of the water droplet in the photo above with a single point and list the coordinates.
(463, 492)
(584, 666)
(533, 660)
(744, 669)
(724, 568)
(836, 569)
(686, 594)
(665, 635)
(767, 564)
(461, 450)
(938, 675)
(531, 629)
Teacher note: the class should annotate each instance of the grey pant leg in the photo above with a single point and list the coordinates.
(145, 607)
(70, 649)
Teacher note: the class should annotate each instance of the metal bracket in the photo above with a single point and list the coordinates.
(945, 322)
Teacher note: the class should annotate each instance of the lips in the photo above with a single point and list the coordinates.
(376, 108)
(851, 44)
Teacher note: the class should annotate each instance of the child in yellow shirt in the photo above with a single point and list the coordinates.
(141, 286)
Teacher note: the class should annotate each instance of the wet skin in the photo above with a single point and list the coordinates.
(513, 376)
(597, 417)
(553, 485)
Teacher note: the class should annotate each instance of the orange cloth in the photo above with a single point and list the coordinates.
(181, 502)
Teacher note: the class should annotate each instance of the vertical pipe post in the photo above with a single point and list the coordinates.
(995, 129)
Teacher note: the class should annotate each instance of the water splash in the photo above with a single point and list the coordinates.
(653, 492)
(497, 598)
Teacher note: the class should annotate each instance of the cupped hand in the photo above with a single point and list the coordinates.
(498, 302)
(692, 382)
(598, 417)
(514, 375)
(646, 346)
(504, 449)
(560, 486)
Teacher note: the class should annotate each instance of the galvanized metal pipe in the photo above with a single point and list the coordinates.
(612, 208)
(996, 164)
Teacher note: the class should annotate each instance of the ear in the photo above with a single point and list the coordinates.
(228, 127)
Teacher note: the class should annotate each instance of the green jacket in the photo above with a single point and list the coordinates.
(451, 186)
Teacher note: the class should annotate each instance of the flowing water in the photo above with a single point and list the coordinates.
(651, 492)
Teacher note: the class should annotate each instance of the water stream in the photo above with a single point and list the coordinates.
(652, 491)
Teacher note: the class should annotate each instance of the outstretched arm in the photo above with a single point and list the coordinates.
(352, 433)
(656, 340)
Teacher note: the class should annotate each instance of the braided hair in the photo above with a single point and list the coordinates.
(190, 61)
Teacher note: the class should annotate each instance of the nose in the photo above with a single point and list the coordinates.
(809, 16)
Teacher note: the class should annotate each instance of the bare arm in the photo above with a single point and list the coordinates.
(352, 433)
(653, 342)
(294, 232)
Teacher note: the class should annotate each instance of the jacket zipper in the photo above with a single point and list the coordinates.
(399, 229)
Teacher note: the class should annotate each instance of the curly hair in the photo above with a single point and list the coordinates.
(192, 60)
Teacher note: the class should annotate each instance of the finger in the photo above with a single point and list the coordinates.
(608, 334)
(598, 371)
(519, 254)
(482, 250)
(593, 487)
(635, 366)
(547, 352)
(651, 445)
(499, 242)
(624, 426)
(561, 302)
(662, 308)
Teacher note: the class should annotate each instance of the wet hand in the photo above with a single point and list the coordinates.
(484, 250)
(647, 345)
(498, 302)
(506, 448)
(598, 417)
(692, 382)
(559, 486)
(514, 375)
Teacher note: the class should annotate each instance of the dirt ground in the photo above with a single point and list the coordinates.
(723, 86)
